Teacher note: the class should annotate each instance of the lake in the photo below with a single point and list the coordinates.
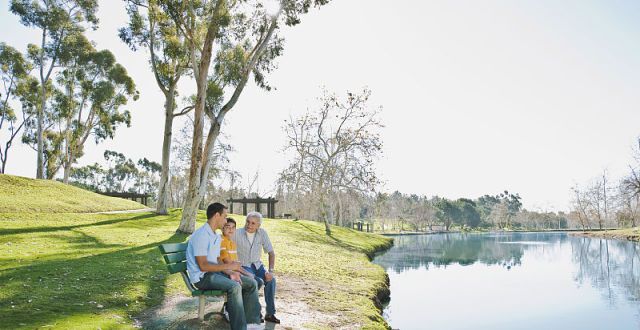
(512, 281)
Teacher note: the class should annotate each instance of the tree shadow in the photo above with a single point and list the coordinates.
(28, 230)
(318, 235)
(129, 279)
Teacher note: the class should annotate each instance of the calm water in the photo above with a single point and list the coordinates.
(512, 281)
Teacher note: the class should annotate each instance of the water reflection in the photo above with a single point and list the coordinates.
(412, 252)
(611, 266)
(535, 280)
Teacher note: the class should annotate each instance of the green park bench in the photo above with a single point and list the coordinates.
(175, 255)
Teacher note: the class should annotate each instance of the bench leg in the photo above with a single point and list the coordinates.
(201, 308)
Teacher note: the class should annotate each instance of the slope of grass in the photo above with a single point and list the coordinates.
(88, 271)
(24, 195)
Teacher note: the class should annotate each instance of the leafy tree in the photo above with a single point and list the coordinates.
(94, 88)
(469, 215)
(120, 171)
(152, 28)
(16, 82)
(88, 177)
(121, 175)
(246, 40)
(449, 212)
(57, 19)
(147, 179)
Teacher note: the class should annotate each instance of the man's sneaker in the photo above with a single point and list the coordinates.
(272, 318)
(254, 326)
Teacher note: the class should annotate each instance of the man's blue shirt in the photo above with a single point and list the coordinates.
(203, 242)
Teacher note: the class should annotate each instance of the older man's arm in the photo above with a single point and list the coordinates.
(272, 264)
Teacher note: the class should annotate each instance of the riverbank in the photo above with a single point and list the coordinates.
(629, 234)
(409, 233)
(83, 270)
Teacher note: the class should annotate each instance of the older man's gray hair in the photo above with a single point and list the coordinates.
(255, 215)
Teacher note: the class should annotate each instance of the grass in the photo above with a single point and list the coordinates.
(337, 264)
(25, 195)
(631, 234)
(88, 271)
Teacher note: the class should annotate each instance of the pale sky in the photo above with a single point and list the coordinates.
(477, 96)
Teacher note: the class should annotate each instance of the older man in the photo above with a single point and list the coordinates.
(251, 241)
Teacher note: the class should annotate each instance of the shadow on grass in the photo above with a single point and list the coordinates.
(104, 286)
(26, 230)
(318, 235)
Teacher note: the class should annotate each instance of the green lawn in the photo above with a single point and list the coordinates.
(88, 271)
(24, 195)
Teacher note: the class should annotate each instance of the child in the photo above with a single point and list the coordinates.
(228, 249)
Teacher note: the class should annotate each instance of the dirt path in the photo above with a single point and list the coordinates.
(181, 312)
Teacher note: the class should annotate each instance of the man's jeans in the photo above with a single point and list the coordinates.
(269, 287)
(242, 300)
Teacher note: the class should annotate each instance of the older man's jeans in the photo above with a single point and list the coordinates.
(269, 287)
(242, 300)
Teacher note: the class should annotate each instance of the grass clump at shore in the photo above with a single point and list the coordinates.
(25, 195)
(631, 234)
(88, 271)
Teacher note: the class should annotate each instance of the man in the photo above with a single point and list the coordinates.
(206, 273)
(250, 240)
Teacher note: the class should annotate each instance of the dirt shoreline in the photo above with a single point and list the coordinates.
(632, 234)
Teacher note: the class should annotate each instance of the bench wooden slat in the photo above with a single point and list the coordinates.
(177, 267)
(173, 247)
(172, 258)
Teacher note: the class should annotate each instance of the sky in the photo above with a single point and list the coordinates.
(478, 97)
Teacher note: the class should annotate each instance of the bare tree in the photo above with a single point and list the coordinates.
(334, 148)
(580, 207)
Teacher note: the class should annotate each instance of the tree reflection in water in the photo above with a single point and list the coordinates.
(611, 266)
(412, 252)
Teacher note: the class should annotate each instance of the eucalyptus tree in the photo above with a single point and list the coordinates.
(246, 42)
(151, 28)
(16, 82)
(93, 88)
(334, 149)
(56, 19)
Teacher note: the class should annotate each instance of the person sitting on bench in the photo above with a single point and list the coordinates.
(203, 250)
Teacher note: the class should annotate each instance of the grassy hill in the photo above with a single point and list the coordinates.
(23, 195)
(88, 271)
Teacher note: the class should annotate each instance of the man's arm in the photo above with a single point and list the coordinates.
(272, 261)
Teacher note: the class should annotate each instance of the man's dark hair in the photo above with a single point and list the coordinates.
(215, 208)
(232, 221)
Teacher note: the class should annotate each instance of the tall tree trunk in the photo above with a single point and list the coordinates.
(323, 211)
(163, 187)
(40, 164)
(200, 72)
(340, 218)
(190, 209)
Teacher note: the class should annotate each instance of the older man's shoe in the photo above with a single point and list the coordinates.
(272, 318)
